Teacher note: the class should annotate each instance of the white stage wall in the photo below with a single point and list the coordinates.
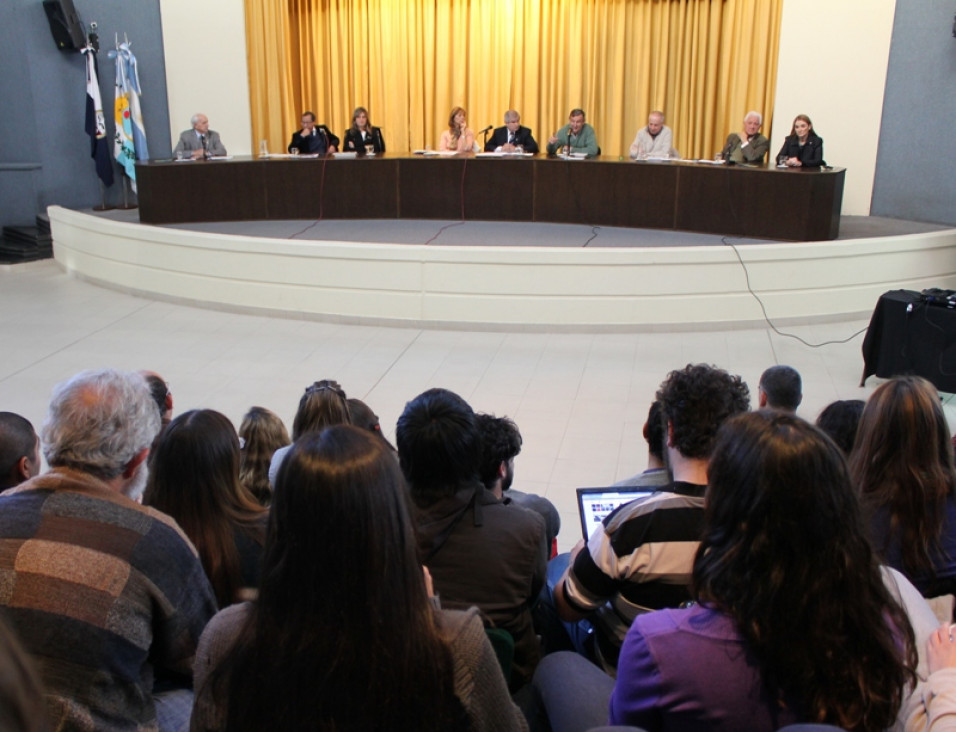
(502, 287)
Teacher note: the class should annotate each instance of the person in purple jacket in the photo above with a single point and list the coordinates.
(793, 622)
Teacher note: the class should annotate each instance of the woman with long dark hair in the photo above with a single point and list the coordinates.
(802, 148)
(794, 622)
(342, 635)
(902, 464)
(194, 477)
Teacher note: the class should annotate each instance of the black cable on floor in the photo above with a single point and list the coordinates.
(764, 309)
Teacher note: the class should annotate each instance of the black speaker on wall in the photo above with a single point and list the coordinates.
(65, 25)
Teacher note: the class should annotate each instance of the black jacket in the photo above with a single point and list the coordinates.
(523, 137)
(353, 140)
(318, 142)
(810, 155)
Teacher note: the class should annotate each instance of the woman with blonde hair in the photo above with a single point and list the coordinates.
(261, 434)
(362, 137)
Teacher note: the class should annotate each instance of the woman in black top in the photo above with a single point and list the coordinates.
(803, 148)
(361, 135)
(194, 477)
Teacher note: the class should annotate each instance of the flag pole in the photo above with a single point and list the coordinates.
(104, 206)
(127, 206)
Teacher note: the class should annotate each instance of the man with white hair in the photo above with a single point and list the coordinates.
(655, 140)
(512, 136)
(748, 146)
(106, 595)
(200, 141)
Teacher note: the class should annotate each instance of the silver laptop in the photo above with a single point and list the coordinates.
(596, 504)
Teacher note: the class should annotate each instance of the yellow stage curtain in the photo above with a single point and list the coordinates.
(705, 63)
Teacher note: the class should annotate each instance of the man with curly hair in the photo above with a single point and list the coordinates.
(640, 558)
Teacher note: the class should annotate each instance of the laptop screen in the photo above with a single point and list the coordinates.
(596, 504)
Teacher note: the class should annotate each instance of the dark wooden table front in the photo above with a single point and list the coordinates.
(798, 205)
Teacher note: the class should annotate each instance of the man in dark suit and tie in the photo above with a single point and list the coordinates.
(511, 136)
(313, 139)
(200, 141)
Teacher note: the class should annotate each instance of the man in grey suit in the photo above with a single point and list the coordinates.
(200, 141)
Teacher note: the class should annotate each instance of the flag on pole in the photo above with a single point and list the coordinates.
(129, 141)
(96, 122)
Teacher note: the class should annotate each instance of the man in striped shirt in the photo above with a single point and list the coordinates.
(640, 559)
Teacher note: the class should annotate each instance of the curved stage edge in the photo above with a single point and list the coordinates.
(502, 287)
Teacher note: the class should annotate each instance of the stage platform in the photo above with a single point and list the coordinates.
(511, 276)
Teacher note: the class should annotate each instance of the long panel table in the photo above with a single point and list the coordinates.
(792, 204)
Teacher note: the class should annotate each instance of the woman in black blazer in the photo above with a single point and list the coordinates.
(361, 135)
(803, 148)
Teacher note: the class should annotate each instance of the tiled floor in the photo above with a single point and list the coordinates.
(579, 400)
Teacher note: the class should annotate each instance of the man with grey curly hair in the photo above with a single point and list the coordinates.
(102, 423)
(109, 595)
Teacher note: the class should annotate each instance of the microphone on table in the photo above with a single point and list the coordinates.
(489, 128)
(205, 152)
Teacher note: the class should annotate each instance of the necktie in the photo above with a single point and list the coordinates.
(511, 138)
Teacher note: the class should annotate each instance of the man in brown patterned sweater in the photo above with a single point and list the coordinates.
(106, 595)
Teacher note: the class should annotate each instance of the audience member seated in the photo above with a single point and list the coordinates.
(577, 136)
(362, 137)
(783, 525)
(654, 140)
(840, 420)
(363, 416)
(261, 434)
(512, 136)
(780, 388)
(19, 450)
(479, 551)
(902, 462)
(458, 137)
(195, 479)
(802, 148)
(200, 141)
(655, 475)
(313, 139)
(748, 146)
(500, 445)
(640, 559)
(322, 405)
(21, 694)
(108, 596)
(937, 711)
(342, 635)
(162, 396)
